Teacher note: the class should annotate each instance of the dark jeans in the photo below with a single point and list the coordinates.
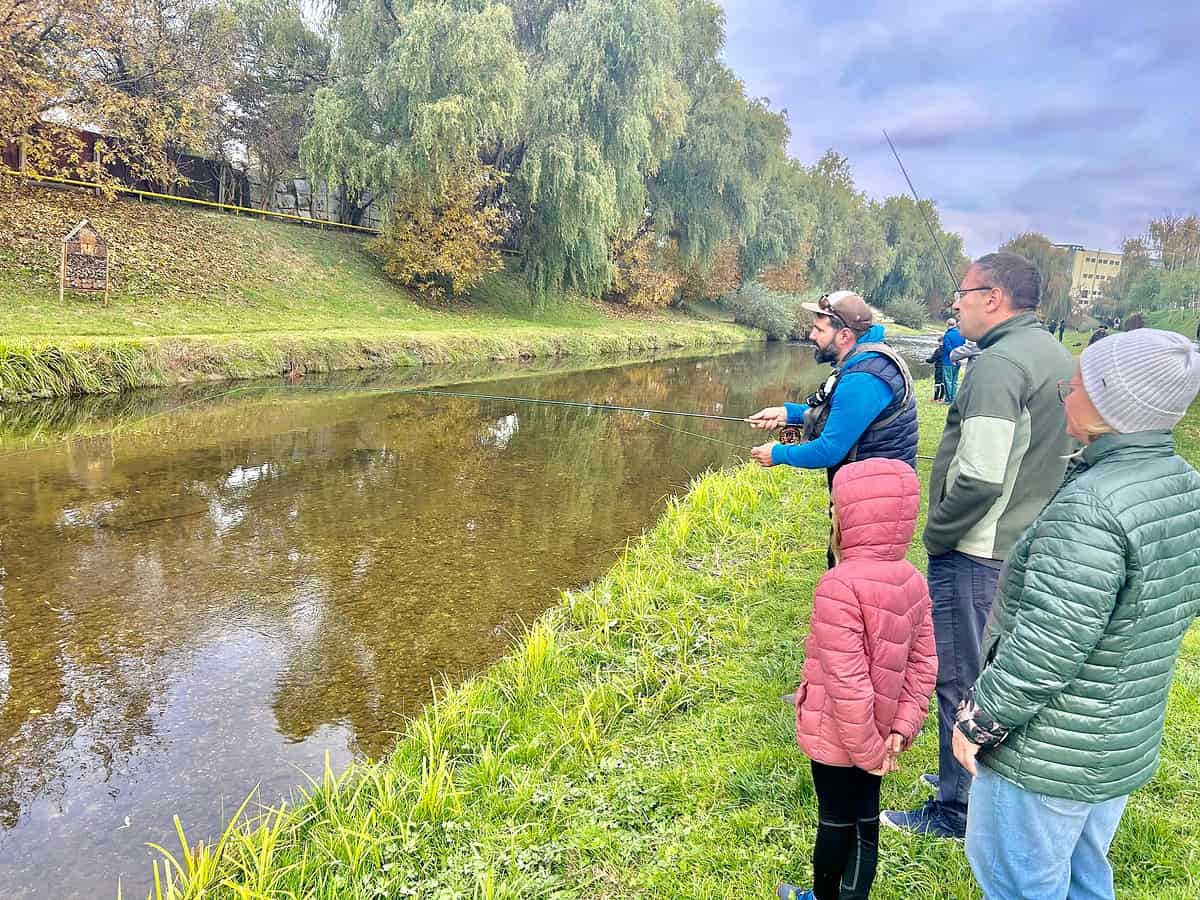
(830, 558)
(962, 591)
(847, 847)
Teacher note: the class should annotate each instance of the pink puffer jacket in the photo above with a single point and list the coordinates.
(870, 660)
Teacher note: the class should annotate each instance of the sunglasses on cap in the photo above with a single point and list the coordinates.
(827, 310)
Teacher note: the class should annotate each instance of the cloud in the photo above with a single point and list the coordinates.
(1070, 119)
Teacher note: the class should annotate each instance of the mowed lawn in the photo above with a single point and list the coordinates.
(184, 271)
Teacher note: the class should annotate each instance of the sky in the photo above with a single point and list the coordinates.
(1080, 120)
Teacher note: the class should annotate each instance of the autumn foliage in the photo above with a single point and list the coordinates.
(721, 276)
(644, 271)
(147, 74)
(443, 243)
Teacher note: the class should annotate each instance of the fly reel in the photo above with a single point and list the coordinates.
(791, 434)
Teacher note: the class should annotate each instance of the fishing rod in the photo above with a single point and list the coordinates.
(921, 210)
(788, 434)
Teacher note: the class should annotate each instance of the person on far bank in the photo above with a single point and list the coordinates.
(939, 373)
(865, 409)
(869, 668)
(1062, 327)
(1002, 456)
(1066, 718)
(1098, 335)
(951, 341)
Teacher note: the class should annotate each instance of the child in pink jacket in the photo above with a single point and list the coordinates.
(870, 666)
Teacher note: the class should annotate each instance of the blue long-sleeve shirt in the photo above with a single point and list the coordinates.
(951, 341)
(859, 399)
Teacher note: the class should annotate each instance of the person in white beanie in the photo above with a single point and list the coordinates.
(1066, 717)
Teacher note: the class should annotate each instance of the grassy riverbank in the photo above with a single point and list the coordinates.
(1173, 320)
(201, 295)
(633, 744)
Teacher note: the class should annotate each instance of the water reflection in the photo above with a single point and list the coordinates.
(221, 596)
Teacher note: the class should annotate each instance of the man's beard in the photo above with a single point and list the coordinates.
(825, 354)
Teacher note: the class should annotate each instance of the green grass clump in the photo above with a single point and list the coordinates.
(633, 744)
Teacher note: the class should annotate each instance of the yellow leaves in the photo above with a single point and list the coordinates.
(443, 242)
(142, 72)
(722, 276)
(646, 271)
(162, 251)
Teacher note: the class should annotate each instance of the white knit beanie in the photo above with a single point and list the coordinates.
(1141, 380)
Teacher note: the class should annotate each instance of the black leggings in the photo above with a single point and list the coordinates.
(847, 846)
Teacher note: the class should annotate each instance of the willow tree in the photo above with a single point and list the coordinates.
(787, 222)
(604, 110)
(1054, 266)
(420, 86)
(917, 271)
(848, 249)
(711, 188)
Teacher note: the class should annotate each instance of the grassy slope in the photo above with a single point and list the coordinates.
(201, 294)
(634, 743)
(1173, 320)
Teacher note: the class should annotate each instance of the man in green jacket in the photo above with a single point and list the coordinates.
(1067, 716)
(1002, 456)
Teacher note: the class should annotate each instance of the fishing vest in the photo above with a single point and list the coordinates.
(893, 433)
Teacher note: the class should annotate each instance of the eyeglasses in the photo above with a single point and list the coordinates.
(1064, 390)
(827, 309)
(958, 295)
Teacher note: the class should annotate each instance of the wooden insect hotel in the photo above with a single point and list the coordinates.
(86, 261)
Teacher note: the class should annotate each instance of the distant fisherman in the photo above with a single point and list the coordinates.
(865, 409)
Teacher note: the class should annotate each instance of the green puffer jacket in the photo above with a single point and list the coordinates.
(1085, 628)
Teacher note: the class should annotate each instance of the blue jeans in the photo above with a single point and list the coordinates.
(950, 377)
(962, 591)
(1027, 846)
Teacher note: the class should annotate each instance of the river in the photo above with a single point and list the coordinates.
(213, 589)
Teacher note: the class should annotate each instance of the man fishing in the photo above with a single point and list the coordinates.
(866, 408)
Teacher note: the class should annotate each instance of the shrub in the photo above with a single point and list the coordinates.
(909, 312)
(776, 313)
(645, 272)
(443, 243)
(722, 275)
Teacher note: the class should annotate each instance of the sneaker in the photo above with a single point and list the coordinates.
(919, 821)
(932, 781)
(789, 698)
(787, 891)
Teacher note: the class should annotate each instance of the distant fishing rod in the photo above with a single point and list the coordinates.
(928, 224)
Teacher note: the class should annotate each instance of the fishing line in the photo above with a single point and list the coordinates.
(920, 209)
(703, 437)
(643, 412)
(569, 403)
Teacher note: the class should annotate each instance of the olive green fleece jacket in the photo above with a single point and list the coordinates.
(1092, 607)
(1004, 451)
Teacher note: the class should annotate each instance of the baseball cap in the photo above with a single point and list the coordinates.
(846, 308)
